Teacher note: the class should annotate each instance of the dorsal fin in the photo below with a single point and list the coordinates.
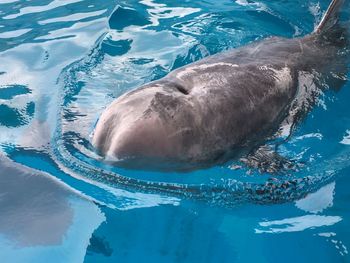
(331, 16)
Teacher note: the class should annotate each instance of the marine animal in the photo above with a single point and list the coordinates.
(221, 107)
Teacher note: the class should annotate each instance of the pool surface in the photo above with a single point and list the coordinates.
(63, 61)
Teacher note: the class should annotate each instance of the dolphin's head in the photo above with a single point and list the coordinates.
(150, 122)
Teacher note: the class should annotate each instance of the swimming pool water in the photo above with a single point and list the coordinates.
(63, 61)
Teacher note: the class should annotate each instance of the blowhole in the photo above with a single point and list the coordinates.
(182, 89)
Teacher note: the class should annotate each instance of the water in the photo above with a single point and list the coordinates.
(63, 62)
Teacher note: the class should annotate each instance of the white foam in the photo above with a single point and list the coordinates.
(242, 2)
(260, 6)
(346, 138)
(327, 234)
(315, 11)
(318, 136)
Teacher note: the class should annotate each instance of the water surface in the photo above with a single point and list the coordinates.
(63, 62)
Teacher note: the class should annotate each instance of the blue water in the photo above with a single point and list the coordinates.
(63, 61)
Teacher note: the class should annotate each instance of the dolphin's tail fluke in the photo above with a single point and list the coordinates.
(330, 19)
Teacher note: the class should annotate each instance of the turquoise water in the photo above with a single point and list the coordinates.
(63, 62)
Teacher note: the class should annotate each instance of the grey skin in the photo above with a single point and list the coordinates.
(220, 107)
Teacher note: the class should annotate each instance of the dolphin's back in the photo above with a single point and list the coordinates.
(235, 96)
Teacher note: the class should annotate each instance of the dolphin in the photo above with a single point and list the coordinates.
(223, 106)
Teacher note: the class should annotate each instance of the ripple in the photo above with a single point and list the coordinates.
(145, 40)
(268, 19)
(40, 8)
(8, 1)
(13, 117)
(73, 17)
(124, 17)
(8, 92)
(15, 33)
(63, 62)
(116, 48)
(161, 11)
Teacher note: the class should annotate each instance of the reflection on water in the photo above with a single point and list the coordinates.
(62, 62)
(30, 206)
(40, 216)
(297, 224)
(319, 201)
(312, 203)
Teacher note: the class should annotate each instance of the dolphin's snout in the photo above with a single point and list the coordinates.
(144, 138)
